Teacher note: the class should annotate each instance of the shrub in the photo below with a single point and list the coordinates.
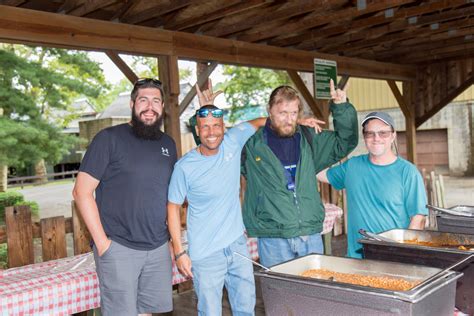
(3, 256)
(9, 198)
(14, 198)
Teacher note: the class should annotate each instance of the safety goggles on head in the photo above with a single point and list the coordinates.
(205, 112)
(381, 134)
(143, 81)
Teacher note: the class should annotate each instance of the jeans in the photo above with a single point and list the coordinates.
(272, 251)
(225, 268)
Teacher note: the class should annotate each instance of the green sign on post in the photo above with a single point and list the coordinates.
(324, 70)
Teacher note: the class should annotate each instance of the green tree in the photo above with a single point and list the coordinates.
(37, 88)
(249, 87)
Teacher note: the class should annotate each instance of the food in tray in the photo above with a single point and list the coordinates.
(441, 244)
(394, 284)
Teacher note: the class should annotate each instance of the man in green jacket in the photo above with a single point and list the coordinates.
(282, 206)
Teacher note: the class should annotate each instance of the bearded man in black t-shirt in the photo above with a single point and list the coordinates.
(128, 167)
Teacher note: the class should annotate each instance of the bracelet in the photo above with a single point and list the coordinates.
(179, 255)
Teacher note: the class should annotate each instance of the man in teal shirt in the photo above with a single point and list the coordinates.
(384, 191)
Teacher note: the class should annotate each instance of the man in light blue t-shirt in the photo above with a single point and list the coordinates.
(384, 191)
(208, 177)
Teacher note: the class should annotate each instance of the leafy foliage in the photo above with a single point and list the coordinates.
(14, 198)
(249, 87)
(37, 88)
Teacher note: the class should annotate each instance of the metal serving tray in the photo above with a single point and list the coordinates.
(430, 256)
(286, 292)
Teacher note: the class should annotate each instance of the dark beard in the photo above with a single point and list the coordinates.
(144, 131)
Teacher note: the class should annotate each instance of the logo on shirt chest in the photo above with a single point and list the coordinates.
(228, 157)
(165, 152)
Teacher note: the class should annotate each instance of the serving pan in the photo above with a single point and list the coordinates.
(441, 257)
(286, 292)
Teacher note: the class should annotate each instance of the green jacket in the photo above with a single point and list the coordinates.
(270, 209)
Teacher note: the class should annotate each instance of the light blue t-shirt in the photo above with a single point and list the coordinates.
(379, 198)
(211, 185)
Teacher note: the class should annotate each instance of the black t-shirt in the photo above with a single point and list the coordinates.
(132, 194)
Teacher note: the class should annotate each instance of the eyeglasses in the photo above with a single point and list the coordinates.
(381, 134)
(205, 112)
(143, 81)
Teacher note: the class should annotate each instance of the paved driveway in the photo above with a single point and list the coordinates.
(54, 199)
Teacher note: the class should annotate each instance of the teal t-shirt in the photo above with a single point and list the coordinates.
(379, 198)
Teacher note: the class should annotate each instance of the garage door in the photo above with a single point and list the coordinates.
(431, 149)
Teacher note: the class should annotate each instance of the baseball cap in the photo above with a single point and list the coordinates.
(384, 117)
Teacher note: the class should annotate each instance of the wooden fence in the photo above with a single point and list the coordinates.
(21, 181)
(19, 231)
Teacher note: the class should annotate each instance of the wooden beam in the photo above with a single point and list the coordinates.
(90, 6)
(410, 128)
(169, 75)
(124, 9)
(343, 82)
(50, 29)
(156, 10)
(451, 95)
(272, 14)
(202, 79)
(315, 19)
(122, 65)
(222, 10)
(364, 28)
(308, 97)
(400, 99)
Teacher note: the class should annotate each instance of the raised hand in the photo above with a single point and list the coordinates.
(207, 97)
(312, 122)
(338, 95)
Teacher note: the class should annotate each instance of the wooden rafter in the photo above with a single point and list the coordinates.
(122, 65)
(382, 30)
(343, 82)
(202, 79)
(124, 9)
(402, 24)
(220, 12)
(451, 95)
(90, 6)
(273, 14)
(318, 18)
(361, 29)
(407, 112)
(26, 26)
(156, 10)
(410, 36)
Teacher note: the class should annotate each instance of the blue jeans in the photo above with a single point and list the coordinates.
(225, 268)
(272, 251)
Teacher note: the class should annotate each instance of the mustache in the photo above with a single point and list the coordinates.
(154, 112)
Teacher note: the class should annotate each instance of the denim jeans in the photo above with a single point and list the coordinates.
(272, 251)
(225, 268)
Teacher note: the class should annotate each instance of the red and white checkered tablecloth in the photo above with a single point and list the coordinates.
(60, 287)
(332, 212)
(57, 287)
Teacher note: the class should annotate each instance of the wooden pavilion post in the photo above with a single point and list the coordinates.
(169, 75)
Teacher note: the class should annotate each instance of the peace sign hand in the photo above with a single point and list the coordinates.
(207, 97)
(338, 96)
